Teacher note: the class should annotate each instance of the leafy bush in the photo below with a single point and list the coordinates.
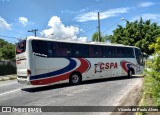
(7, 50)
(152, 78)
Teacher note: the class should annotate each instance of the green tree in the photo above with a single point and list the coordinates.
(156, 47)
(152, 78)
(2, 44)
(7, 50)
(95, 37)
(138, 33)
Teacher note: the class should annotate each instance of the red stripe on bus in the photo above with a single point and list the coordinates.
(83, 67)
(51, 79)
(123, 64)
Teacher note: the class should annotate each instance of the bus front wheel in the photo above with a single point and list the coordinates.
(75, 79)
(130, 73)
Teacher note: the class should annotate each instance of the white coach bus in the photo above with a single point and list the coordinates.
(42, 61)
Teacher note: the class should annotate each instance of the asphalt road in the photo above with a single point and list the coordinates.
(106, 92)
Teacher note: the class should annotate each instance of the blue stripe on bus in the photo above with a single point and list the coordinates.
(69, 67)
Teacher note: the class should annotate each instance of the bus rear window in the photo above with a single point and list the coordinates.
(21, 47)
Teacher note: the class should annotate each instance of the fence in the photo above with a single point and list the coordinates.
(7, 67)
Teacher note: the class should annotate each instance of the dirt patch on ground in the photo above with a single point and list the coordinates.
(132, 98)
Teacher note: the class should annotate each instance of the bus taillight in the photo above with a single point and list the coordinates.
(28, 72)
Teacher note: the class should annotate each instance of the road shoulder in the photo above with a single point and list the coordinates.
(131, 98)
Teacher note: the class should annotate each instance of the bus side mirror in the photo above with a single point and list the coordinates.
(145, 55)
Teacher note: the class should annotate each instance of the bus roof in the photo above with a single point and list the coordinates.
(79, 42)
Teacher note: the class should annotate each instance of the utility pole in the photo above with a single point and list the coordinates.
(99, 32)
(34, 31)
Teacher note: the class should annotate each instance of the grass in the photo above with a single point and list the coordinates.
(12, 78)
(151, 87)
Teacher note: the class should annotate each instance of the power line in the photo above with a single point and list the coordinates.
(15, 32)
(18, 27)
(9, 37)
(113, 25)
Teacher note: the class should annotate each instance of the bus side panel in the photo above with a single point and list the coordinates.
(109, 67)
(101, 68)
(50, 70)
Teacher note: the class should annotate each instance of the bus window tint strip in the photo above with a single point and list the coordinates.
(60, 49)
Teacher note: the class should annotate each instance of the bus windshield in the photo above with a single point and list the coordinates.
(21, 47)
(139, 56)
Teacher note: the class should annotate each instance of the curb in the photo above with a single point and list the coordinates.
(8, 77)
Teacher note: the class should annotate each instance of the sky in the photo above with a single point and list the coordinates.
(74, 20)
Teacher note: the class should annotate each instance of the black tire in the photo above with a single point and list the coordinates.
(75, 79)
(130, 73)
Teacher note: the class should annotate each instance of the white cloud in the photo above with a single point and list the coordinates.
(103, 15)
(75, 12)
(146, 4)
(23, 20)
(58, 31)
(147, 16)
(4, 24)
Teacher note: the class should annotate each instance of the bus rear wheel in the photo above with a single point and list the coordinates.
(75, 79)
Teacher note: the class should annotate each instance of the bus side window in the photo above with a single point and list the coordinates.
(39, 47)
(123, 52)
(85, 51)
(63, 50)
(69, 49)
(107, 51)
(118, 52)
(66, 49)
(43, 47)
(54, 47)
(111, 51)
(91, 52)
(77, 50)
(99, 50)
(49, 49)
(129, 53)
(57, 49)
(103, 52)
(95, 51)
